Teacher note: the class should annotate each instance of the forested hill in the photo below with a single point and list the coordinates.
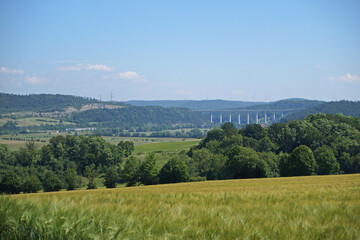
(292, 103)
(347, 108)
(43, 102)
(194, 104)
(132, 116)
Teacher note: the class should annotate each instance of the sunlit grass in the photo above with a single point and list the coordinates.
(166, 146)
(319, 207)
(33, 121)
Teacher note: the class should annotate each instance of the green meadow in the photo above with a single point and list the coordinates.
(33, 121)
(143, 145)
(315, 207)
(166, 146)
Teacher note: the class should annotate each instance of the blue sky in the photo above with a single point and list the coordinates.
(239, 50)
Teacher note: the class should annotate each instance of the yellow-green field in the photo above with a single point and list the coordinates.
(316, 207)
(143, 145)
(166, 146)
(33, 121)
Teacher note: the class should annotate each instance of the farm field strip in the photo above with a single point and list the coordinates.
(315, 207)
(41, 139)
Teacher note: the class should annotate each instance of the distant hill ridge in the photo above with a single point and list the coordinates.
(50, 103)
(43, 103)
(194, 104)
(347, 108)
(292, 103)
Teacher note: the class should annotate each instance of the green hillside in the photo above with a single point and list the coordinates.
(194, 104)
(43, 102)
(138, 117)
(346, 108)
(293, 103)
(40, 102)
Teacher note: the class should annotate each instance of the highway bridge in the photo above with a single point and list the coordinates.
(246, 116)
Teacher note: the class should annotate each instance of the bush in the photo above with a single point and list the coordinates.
(300, 162)
(71, 179)
(111, 178)
(174, 171)
(197, 179)
(51, 182)
(32, 184)
(10, 183)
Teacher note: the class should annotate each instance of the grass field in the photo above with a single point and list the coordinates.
(143, 145)
(166, 146)
(33, 121)
(316, 207)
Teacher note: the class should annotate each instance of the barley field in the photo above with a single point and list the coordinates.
(316, 207)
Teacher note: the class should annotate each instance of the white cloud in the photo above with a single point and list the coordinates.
(346, 78)
(34, 80)
(11, 70)
(88, 67)
(130, 75)
(98, 67)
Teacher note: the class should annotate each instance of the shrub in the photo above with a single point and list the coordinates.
(51, 182)
(32, 184)
(10, 183)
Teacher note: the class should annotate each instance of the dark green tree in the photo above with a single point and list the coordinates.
(301, 162)
(127, 147)
(10, 183)
(91, 173)
(175, 170)
(4, 153)
(28, 155)
(272, 161)
(214, 134)
(253, 131)
(130, 173)
(51, 182)
(284, 164)
(71, 179)
(32, 184)
(326, 161)
(229, 129)
(148, 171)
(111, 178)
(266, 145)
(207, 164)
(244, 162)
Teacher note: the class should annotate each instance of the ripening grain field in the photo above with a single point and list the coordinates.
(316, 207)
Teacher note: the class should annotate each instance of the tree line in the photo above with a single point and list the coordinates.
(134, 117)
(319, 144)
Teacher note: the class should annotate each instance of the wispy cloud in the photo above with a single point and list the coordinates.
(98, 67)
(86, 67)
(11, 70)
(34, 80)
(130, 75)
(346, 78)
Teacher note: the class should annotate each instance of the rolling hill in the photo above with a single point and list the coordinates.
(194, 104)
(47, 103)
(347, 108)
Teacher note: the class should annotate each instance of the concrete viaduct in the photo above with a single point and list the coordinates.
(245, 116)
